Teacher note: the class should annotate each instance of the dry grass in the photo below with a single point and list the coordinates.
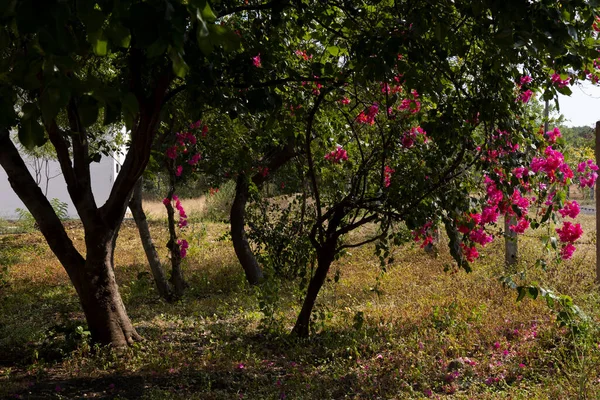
(392, 335)
(156, 209)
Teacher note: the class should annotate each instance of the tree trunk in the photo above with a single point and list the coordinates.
(177, 281)
(238, 234)
(325, 256)
(98, 291)
(510, 241)
(158, 272)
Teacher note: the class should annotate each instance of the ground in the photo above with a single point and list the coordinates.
(420, 329)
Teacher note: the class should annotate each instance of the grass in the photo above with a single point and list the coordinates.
(412, 332)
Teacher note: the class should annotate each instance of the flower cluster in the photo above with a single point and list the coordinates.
(525, 96)
(561, 83)
(525, 80)
(409, 138)
(337, 156)
(183, 142)
(179, 207)
(571, 209)
(424, 234)
(413, 105)
(387, 175)
(256, 61)
(589, 175)
(553, 135)
(568, 234)
(303, 55)
(369, 116)
(552, 164)
(390, 89)
(183, 246)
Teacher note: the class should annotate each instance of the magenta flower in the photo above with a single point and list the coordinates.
(337, 156)
(256, 61)
(178, 170)
(571, 209)
(172, 152)
(567, 252)
(553, 135)
(525, 79)
(525, 96)
(569, 233)
(387, 176)
(195, 159)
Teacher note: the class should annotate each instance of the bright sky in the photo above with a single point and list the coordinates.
(582, 108)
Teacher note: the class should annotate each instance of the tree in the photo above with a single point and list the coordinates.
(61, 66)
(438, 89)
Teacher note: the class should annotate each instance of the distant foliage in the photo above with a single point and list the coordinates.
(279, 233)
(27, 222)
(218, 202)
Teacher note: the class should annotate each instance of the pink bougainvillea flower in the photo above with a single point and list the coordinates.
(345, 101)
(569, 232)
(470, 253)
(567, 252)
(387, 176)
(337, 156)
(571, 209)
(525, 80)
(558, 81)
(553, 135)
(525, 96)
(178, 170)
(172, 152)
(256, 61)
(194, 160)
(183, 246)
(521, 226)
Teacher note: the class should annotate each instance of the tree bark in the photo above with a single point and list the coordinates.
(177, 281)
(510, 241)
(98, 292)
(237, 217)
(325, 256)
(158, 272)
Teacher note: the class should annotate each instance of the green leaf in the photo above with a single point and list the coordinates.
(333, 50)
(130, 103)
(157, 48)
(207, 13)
(180, 67)
(130, 109)
(119, 35)
(100, 45)
(522, 293)
(93, 20)
(111, 113)
(31, 133)
(88, 110)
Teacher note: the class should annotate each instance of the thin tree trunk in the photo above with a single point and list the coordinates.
(158, 272)
(237, 217)
(177, 281)
(510, 241)
(325, 256)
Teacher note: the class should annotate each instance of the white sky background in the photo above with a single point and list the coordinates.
(582, 108)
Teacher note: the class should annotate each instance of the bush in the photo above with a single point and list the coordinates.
(218, 202)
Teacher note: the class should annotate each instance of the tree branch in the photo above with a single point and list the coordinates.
(38, 205)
